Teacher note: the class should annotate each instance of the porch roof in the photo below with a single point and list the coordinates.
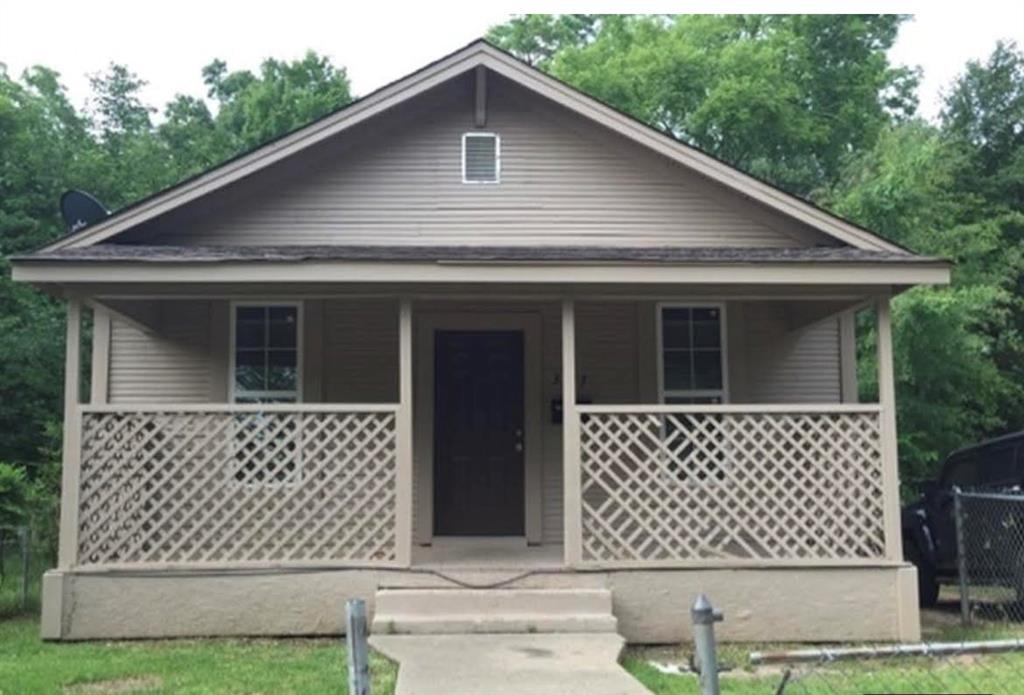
(107, 253)
(513, 266)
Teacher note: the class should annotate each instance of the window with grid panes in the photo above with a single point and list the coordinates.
(692, 372)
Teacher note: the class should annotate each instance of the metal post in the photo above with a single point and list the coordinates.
(704, 617)
(358, 652)
(961, 557)
(25, 536)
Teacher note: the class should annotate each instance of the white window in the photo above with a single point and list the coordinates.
(692, 370)
(481, 158)
(266, 352)
(692, 353)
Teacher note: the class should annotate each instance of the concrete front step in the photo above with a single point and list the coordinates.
(476, 611)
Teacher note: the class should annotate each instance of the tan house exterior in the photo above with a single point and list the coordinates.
(477, 328)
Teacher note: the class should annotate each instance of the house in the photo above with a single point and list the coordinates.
(476, 329)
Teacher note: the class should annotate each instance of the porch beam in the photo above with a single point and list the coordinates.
(67, 551)
(486, 273)
(573, 510)
(853, 295)
(890, 458)
(403, 444)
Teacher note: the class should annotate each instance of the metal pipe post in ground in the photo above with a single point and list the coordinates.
(704, 617)
(358, 650)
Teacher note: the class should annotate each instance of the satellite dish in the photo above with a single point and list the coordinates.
(80, 209)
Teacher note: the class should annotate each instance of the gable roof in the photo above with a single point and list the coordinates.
(475, 54)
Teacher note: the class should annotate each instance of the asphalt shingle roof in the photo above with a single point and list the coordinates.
(108, 253)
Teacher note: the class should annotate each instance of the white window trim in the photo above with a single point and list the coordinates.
(722, 393)
(497, 157)
(299, 347)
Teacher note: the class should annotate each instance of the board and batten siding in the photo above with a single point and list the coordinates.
(770, 361)
(564, 180)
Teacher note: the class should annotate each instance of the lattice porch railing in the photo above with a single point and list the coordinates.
(238, 484)
(668, 485)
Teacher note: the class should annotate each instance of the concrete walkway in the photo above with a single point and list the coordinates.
(519, 664)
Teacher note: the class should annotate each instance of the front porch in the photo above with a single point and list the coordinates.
(618, 482)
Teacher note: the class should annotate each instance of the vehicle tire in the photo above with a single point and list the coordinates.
(927, 586)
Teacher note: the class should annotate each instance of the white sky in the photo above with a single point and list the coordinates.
(168, 44)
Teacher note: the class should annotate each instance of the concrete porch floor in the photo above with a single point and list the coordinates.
(487, 553)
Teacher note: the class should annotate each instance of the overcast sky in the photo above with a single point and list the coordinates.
(168, 44)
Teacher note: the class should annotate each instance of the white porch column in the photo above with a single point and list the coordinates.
(67, 552)
(403, 443)
(890, 458)
(572, 509)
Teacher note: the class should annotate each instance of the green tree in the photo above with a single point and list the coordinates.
(114, 150)
(537, 38)
(984, 118)
(950, 388)
(285, 95)
(785, 97)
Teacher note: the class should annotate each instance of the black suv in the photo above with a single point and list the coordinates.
(929, 527)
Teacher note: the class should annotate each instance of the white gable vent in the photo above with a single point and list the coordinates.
(481, 158)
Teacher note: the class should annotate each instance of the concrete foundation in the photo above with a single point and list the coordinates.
(651, 606)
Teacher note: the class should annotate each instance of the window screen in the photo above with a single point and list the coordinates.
(481, 158)
(266, 351)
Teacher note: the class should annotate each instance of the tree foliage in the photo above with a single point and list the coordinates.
(784, 97)
(116, 149)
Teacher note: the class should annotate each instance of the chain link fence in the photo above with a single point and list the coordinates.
(990, 551)
(980, 667)
(16, 570)
(983, 660)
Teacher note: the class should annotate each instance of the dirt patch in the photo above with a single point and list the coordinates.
(116, 685)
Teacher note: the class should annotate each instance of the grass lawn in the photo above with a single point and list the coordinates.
(996, 673)
(29, 665)
(988, 674)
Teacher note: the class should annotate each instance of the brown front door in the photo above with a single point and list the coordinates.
(478, 433)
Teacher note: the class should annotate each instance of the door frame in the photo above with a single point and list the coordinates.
(427, 324)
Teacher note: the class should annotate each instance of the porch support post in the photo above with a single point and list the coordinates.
(571, 440)
(848, 356)
(67, 551)
(890, 458)
(100, 356)
(403, 443)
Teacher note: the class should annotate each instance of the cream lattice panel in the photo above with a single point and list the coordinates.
(220, 486)
(767, 486)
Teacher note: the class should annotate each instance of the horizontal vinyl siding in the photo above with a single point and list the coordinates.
(360, 351)
(801, 365)
(564, 180)
(173, 366)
